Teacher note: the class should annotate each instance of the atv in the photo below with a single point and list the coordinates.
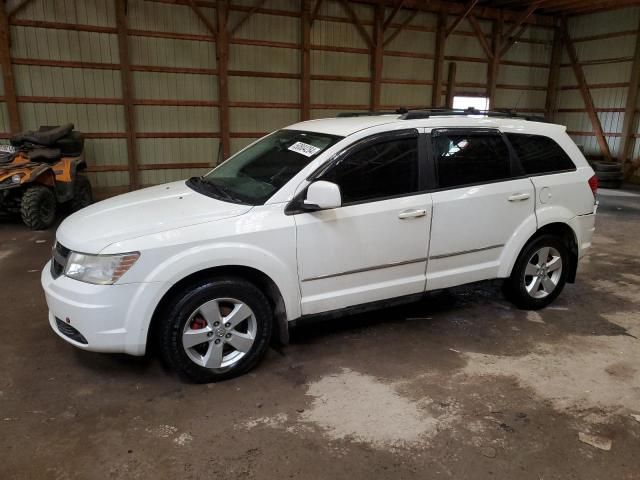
(41, 170)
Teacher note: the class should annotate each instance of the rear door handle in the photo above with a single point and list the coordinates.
(411, 213)
(519, 197)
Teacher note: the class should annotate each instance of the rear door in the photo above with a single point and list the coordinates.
(478, 205)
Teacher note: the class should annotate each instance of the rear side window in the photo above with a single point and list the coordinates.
(470, 158)
(385, 169)
(539, 154)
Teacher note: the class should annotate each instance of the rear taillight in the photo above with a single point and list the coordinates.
(593, 185)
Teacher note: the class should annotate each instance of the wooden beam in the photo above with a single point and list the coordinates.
(393, 14)
(7, 72)
(626, 149)
(222, 60)
(438, 64)
(551, 101)
(494, 61)
(305, 80)
(316, 9)
(451, 84)
(18, 8)
(203, 18)
(127, 93)
(356, 21)
(521, 19)
(463, 15)
(480, 36)
(377, 56)
(246, 17)
(584, 91)
(405, 23)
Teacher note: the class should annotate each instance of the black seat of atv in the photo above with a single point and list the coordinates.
(46, 138)
(44, 155)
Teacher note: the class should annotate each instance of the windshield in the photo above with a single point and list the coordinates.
(259, 171)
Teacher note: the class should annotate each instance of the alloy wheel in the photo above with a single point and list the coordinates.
(219, 333)
(543, 272)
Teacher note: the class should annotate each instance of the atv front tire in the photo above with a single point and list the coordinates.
(82, 194)
(38, 207)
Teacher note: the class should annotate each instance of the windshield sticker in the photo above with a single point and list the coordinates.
(304, 149)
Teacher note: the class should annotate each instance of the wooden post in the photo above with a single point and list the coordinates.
(451, 84)
(222, 60)
(377, 56)
(626, 147)
(305, 85)
(7, 71)
(127, 93)
(584, 91)
(551, 102)
(438, 63)
(494, 62)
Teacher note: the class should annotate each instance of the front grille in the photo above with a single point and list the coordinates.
(59, 260)
(68, 331)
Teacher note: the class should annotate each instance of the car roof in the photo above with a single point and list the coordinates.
(345, 126)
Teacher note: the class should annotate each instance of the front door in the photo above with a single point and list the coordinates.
(375, 245)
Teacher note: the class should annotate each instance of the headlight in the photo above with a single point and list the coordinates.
(99, 269)
(17, 178)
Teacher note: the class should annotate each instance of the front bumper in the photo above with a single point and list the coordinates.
(111, 318)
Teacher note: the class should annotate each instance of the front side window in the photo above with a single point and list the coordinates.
(469, 158)
(256, 173)
(385, 169)
(539, 154)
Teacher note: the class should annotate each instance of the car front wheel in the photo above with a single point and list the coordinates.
(539, 274)
(216, 330)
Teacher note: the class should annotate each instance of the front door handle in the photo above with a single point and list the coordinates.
(519, 197)
(411, 213)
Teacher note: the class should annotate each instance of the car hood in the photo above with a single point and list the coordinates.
(142, 212)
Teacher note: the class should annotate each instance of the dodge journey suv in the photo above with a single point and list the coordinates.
(320, 218)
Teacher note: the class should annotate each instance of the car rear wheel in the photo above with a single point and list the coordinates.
(38, 207)
(216, 330)
(539, 274)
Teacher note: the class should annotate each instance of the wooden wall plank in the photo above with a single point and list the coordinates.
(127, 92)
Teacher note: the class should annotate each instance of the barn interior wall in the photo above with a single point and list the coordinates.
(67, 69)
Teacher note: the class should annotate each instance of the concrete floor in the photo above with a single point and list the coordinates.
(461, 385)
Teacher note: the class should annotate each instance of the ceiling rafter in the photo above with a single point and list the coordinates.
(469, 7)
(393, 13)
(203, 18)
(247, 15)
(356, 21)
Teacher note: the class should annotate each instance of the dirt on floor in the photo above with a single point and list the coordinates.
(460, 385)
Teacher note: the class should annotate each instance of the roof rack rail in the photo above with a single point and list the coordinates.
(434, 112)
(399, 111)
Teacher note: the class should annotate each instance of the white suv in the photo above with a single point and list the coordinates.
(317, 218)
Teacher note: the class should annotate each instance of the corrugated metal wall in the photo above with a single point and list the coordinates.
(607, 70)
(66, 66)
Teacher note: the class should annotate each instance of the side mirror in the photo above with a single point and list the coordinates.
(322, 195)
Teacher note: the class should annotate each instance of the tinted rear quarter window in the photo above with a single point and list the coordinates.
(470, 158)
(539, 154)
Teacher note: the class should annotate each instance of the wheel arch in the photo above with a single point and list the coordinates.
(253, 275)
(567, 234)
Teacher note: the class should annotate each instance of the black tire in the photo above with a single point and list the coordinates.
(82, 193)
(606, 167)
(38, 207)
(613, 184)
(184, 306)
(515, 287)
(604, 176)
